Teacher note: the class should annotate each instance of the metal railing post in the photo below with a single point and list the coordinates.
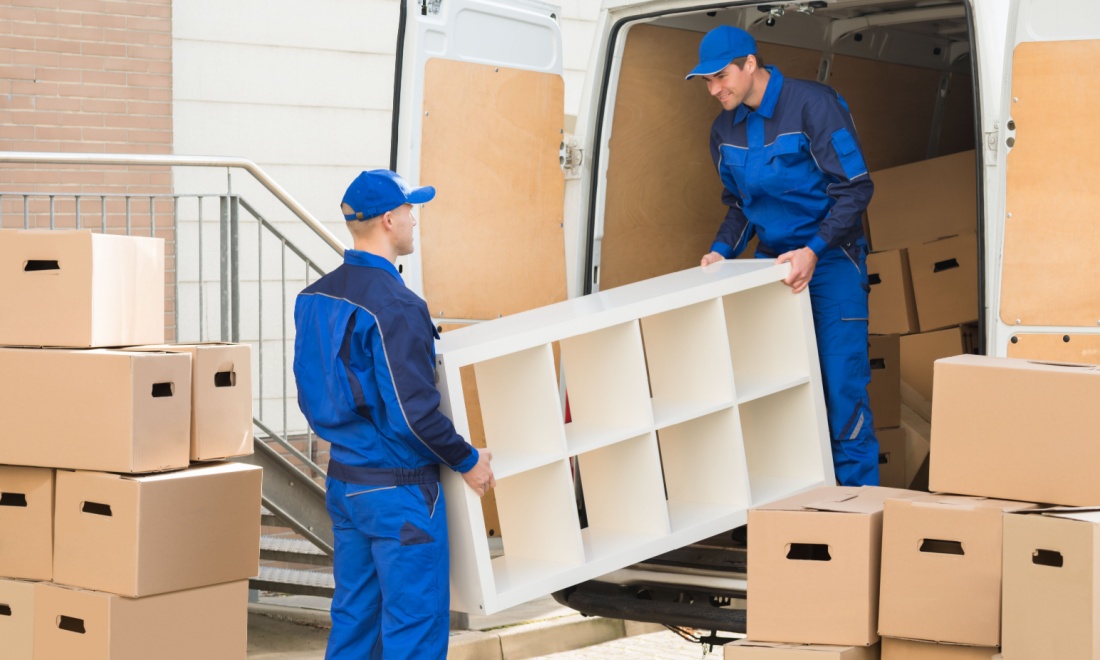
(223, 245)
(234, 269)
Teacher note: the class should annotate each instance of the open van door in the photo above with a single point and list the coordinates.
(480, 111)
(1048, 302)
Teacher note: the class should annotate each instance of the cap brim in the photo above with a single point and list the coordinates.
(708, 68)
(421, 195)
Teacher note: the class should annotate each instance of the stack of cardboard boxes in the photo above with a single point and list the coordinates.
(923, 276)
(975, 570)
(112, 544)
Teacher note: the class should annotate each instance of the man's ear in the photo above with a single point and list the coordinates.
(387, 219)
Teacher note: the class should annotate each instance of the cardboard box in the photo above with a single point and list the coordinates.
(17, 619)
(95, 409)
(748, 650)
(941, 569)
(1051, 584)
(1030, 436)
(813, 563)
(923, 201)
(26, 522)
(945, 281)
(80, 289)
(907, 649)
(143, 535)
(221, 398)
(918, 353)
(891, 457)
(209, 623)
(918, 434)
(884, 390)
(892, 308)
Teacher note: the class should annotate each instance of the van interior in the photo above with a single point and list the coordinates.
(904, 68)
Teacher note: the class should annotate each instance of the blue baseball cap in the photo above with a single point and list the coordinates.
(377, 191)
(721, 46)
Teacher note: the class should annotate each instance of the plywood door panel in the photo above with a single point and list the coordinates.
(664, 197)
(492, 241)
(1077, 348)
(1050, 269)
(892, 106)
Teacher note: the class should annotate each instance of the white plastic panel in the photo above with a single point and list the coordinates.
(704, 468)
(688, 359)
(766, 340)
(629, 471)
(606, 377)
(521, 410)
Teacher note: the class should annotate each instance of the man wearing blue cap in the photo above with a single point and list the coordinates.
(794, 176)
(364, 362)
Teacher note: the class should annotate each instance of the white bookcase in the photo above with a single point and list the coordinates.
(691, 396)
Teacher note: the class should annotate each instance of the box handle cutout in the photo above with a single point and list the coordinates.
(38, 265)
(941, 547)
(72, 624)
(13, 499)
(878, 363)
(5, 610)
(884, 458)
(1047, 558)
(873, 279)
(809, 552)
(946, 264)
(96, 509)
(225, 379)
(163, 389)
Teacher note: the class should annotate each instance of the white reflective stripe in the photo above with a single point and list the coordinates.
(859, 425)
(385, 353)
(372, 490)
(783, 134)
(438, 490)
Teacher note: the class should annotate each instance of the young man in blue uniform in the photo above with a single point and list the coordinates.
(794, 176)
(364, 362)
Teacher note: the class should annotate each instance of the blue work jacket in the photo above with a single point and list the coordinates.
(793, 170)
(364, 362)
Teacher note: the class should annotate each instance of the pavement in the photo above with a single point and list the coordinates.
(296, 628)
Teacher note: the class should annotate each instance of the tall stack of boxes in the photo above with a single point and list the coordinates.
(975, 570)
(113, 544)
(923, 276)
(1032, 435)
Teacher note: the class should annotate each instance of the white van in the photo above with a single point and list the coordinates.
(630, 191)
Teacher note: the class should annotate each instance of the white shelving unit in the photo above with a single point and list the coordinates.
(692, 397)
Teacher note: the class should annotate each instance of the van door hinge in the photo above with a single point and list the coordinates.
(991, 140)
(571, 155)
(430, 7)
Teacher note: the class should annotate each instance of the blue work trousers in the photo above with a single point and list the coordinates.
(392, 568)
(838, 296)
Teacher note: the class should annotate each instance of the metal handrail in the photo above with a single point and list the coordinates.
(54, 158)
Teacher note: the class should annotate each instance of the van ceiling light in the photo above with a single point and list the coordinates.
(775, 11)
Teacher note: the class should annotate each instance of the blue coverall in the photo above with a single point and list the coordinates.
(364, 361)
(794, 175)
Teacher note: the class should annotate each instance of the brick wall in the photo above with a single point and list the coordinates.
(87, 76)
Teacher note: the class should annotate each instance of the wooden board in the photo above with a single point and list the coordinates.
(892, 106)
(664, 197)
(1084, 349)
(1050, 268)
(492, 241)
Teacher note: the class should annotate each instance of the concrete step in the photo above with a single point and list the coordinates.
(294, 581)
(292, 549)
